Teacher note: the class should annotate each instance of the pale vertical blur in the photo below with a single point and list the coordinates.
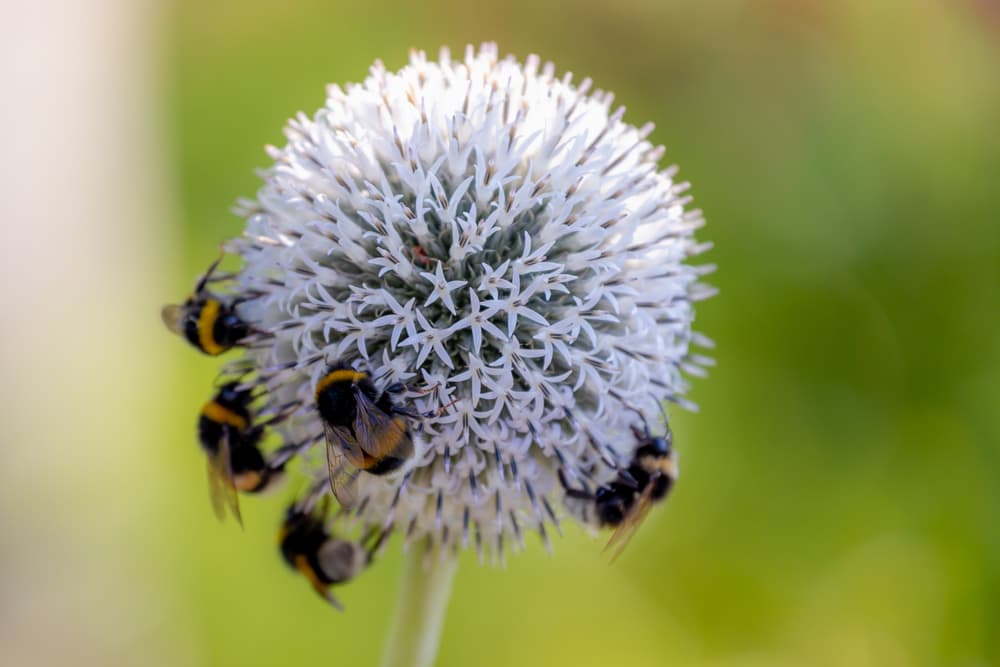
(83, 209)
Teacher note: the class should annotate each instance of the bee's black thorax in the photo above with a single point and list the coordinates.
(612, 503)
(337, 405)
(302, 537)
(336, 397)
(228, 329)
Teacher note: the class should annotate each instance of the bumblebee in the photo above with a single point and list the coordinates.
(231, 443)
(324, 560)
(205, 320)
(365, 431)
(624, 503)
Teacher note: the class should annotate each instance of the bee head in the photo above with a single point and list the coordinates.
(658, 447)
(232, 396)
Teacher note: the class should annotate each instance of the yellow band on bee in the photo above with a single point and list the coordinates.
(206, 325)
(223, 415)
(303, 566)
(339, 375)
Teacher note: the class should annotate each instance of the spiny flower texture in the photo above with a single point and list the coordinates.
(500, 241)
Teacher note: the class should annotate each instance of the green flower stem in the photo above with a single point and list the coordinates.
(423, 599)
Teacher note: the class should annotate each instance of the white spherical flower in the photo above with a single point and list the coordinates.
(500, 241)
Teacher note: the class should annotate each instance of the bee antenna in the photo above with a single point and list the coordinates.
(203, 281)
(440, 411)
(663, 412)
(284, 412)
(638, 412)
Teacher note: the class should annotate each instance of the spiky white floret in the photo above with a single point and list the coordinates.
(488, 234)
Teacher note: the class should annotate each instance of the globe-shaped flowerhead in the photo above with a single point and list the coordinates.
(501, 244)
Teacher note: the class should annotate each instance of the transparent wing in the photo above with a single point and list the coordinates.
(323, 590)
(173, 316)
(380, 434)
(215, 491)
(626, 529)
(221, 489)
(340, 439)
(344, 472)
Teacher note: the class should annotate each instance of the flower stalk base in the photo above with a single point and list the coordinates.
(419, 618)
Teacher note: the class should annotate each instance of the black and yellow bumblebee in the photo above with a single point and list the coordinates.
(623, 503)
(365, 431)
(324, 560)
(207, 321)
(231, 441)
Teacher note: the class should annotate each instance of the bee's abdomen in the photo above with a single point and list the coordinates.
(382, 466)
(249, 468)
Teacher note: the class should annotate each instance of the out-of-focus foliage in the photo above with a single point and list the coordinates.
(838, 502)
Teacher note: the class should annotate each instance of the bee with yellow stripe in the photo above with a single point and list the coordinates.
(365, 431)
(205, 320)
(624, 503)
(654, 469)
(324, 560)
(231, 442)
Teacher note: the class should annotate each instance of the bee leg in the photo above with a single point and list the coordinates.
(220, 276)
(373, 549)
(626, 478)
(249, 295)
(404, 412)
(285, 453)
(269, 333)
(284, 412)
(582, 494)
(432, 413)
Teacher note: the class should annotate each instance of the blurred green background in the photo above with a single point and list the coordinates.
(839, 501)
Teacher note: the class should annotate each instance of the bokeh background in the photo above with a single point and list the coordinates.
(839, 503)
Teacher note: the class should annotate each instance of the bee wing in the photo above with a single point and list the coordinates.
(221, 489)
(323, 590)
(380, 434)
(173, 315)
(341, 450)
(626, 529)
